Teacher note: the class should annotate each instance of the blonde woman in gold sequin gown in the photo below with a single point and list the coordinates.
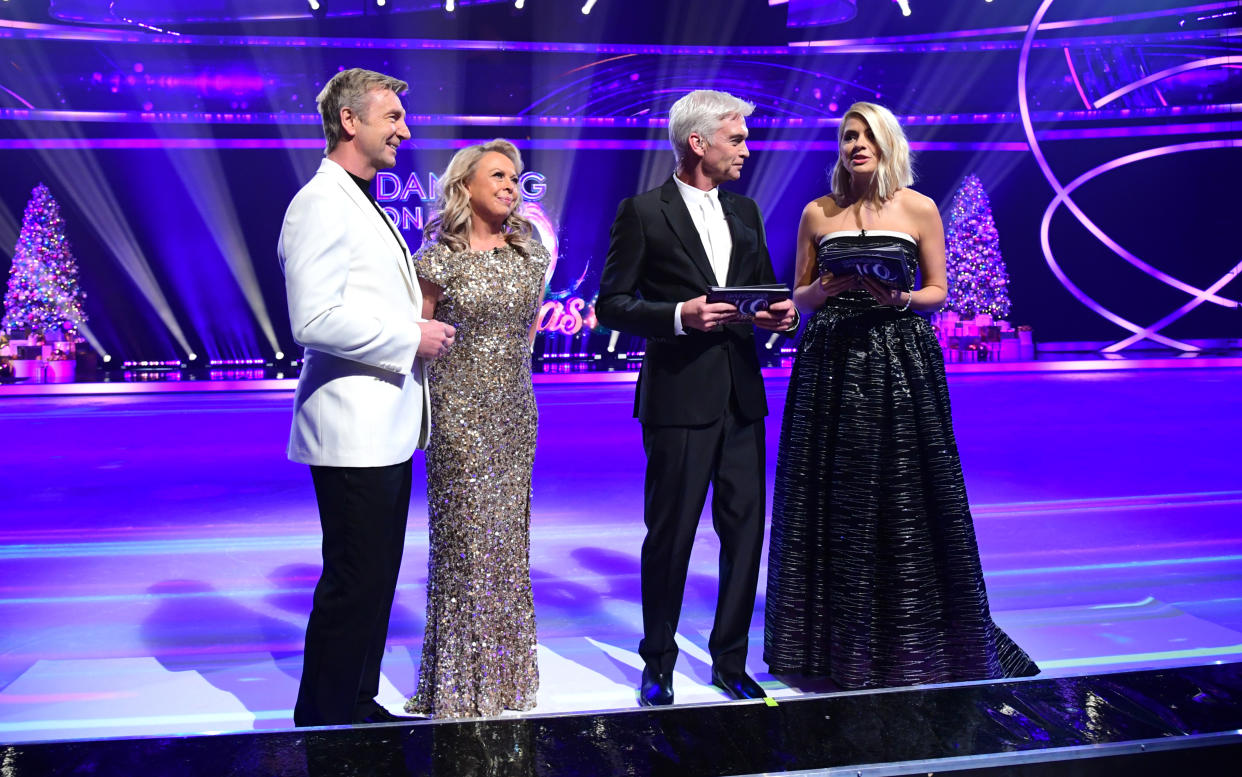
(482, 271)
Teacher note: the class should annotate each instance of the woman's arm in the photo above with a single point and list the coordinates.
(812, 290)
(534, 328)
(935, 286)
(431, 297)
(929, 232)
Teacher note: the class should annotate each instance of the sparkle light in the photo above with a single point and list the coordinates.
(79, 178)
(209, 190)
(1166, 113)
(1163, 74)
(960, 40)
(586, 9)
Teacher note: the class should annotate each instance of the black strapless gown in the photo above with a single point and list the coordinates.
(873, 571)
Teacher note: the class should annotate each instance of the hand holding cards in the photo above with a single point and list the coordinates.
(887, 264)
(749, 300)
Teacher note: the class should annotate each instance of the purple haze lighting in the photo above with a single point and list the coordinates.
(1162, 130)
(210, 82)
(1132, 39)
(992, 31)
(1161, 75)
(586, 144)
(437, 144)
(30, 31)
(154, 144)
(1062, 195)
(817, 13)
(621, 122)
(950, 41)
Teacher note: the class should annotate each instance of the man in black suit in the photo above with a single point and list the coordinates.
(700, 395)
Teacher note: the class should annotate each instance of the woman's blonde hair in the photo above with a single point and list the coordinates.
(451, 223)
(894, 168)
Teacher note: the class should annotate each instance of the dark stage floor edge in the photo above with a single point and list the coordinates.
(1185, 721)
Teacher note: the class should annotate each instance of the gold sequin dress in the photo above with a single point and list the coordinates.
(479, 646)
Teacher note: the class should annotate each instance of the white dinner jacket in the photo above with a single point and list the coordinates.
(354, 305)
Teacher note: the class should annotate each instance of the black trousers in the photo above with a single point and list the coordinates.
(363, 513)
(681, 462)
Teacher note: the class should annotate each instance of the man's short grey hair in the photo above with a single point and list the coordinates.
(349, 89)
(701, 112)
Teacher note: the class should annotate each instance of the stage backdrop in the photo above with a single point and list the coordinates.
(1105, 134)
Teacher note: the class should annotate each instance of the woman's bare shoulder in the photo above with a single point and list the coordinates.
(914, 203)
(822, 208)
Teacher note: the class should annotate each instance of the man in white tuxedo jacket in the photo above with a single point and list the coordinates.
(361, 408)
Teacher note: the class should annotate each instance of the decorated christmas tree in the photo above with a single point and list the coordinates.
(978, 282)
(43, 292)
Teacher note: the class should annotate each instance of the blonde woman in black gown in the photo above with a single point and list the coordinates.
(480, 268)
(873, 574)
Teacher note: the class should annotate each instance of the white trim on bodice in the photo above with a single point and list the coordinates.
(867, 233)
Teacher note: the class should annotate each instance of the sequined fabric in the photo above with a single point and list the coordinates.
(479, 646)
(874, 577)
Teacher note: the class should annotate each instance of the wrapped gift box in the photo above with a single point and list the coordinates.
(28, 369)
(60, 371)
(982, 338)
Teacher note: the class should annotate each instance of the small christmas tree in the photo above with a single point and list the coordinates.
(43, 292)
(978, 282)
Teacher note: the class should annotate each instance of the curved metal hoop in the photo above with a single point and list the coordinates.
(1062, 196)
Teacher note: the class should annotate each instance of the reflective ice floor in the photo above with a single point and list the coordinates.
(157, 553)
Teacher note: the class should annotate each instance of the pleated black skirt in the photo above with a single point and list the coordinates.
(874, 577)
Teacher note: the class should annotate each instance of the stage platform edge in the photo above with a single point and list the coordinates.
(1133, 723)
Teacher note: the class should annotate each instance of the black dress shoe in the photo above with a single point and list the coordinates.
(656, 690)
(378, 714)
(737, 685)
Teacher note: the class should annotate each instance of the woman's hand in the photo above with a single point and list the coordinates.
(832, 285)
(886, 295)
(814, 294)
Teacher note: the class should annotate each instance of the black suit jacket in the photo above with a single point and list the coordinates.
(655, 260)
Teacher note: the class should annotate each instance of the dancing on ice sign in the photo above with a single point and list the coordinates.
(407, 201)
(403, 199)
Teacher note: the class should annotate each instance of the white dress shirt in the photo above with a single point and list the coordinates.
(709, 221)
